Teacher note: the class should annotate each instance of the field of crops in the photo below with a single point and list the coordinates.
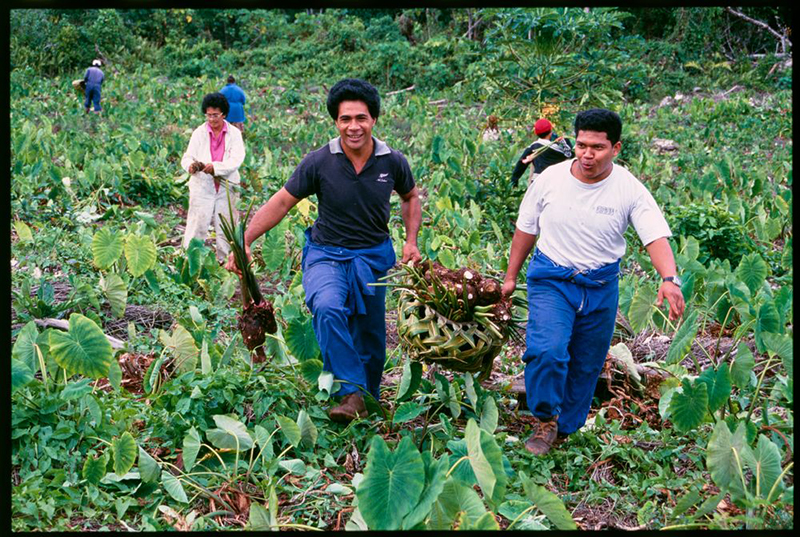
(136, 405)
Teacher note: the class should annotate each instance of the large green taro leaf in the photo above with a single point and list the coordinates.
(229, 434)
(768, 320)
(682, 340)
(174, 487)
(106, 247)
(742, 366)
(84, 349)
(125, 451)
(410, 381)
(719, 385)
(290, 429)
(116, 292)
(392, 484)
(726, 454)
(149, 469)
(140, 252)
(300, 339)
(640, 312)
(21, 374)
(782, 346)
(486, 460)
(94, 469)
(435, 478)
(753, 271)
(191, 447)
(308, 431)
(688, 408)
(455, 498)
(765, 463)
(24, 348)
(549, 504)
(182, 347)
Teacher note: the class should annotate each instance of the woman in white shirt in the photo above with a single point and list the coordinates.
(215, 152)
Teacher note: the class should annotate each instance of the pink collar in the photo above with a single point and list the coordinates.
(224, 128)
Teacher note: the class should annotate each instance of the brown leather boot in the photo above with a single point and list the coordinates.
(351, 407)
(544, 434)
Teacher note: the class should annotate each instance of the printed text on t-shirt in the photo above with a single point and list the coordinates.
(604, 210)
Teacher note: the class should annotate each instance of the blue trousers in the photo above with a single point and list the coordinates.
(92, 96)
(353, 346)
(571, 317)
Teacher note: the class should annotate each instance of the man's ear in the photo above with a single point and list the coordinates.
(616, 148)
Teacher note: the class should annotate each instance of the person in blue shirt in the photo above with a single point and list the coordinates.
(236, 100)
(92, 80)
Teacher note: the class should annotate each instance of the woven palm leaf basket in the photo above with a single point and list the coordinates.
(454, 318)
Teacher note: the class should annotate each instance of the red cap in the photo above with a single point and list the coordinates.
(542, 126)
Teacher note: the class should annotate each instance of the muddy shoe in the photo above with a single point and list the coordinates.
(351, 407)
(544, 434)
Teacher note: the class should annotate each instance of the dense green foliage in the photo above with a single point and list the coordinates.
(178, 428)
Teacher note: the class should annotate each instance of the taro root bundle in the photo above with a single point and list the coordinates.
(455, 318)
(258, 317)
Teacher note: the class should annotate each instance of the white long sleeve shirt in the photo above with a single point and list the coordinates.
(200, 149)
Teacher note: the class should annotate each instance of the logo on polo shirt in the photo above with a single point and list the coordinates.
(382, 178)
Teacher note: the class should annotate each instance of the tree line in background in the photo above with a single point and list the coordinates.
(426, 47)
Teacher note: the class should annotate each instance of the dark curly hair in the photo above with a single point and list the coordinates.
(354, 89)
(600, 120)
(216, 100)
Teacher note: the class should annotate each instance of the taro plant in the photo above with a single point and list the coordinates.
(83, 350)
(43, 304)
(751, 471)
(406, 489)
(139, 259)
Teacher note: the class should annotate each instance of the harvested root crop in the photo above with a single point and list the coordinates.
(457, 318)
(258, 316)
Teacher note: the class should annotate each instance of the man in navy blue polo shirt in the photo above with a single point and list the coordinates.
(348, 246)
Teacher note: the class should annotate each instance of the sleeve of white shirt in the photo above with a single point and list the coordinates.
(647, 218)
(531, 208)
(191, 152)
(233, 159)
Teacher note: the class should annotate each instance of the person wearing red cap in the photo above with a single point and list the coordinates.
(558, 149)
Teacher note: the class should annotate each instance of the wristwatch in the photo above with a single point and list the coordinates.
(674, 279)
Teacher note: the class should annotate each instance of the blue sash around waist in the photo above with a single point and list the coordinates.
(359, 265)
(542, 267)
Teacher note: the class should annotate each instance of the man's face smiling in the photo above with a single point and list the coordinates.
(355, 125)
(595, 154)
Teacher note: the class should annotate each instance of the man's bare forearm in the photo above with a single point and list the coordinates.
(269, 215)
(521, 245)
(661, 256)
(411, 211)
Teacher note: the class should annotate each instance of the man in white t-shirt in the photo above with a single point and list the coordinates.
(579, 210)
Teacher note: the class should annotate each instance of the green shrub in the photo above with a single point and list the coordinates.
(720, 234)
